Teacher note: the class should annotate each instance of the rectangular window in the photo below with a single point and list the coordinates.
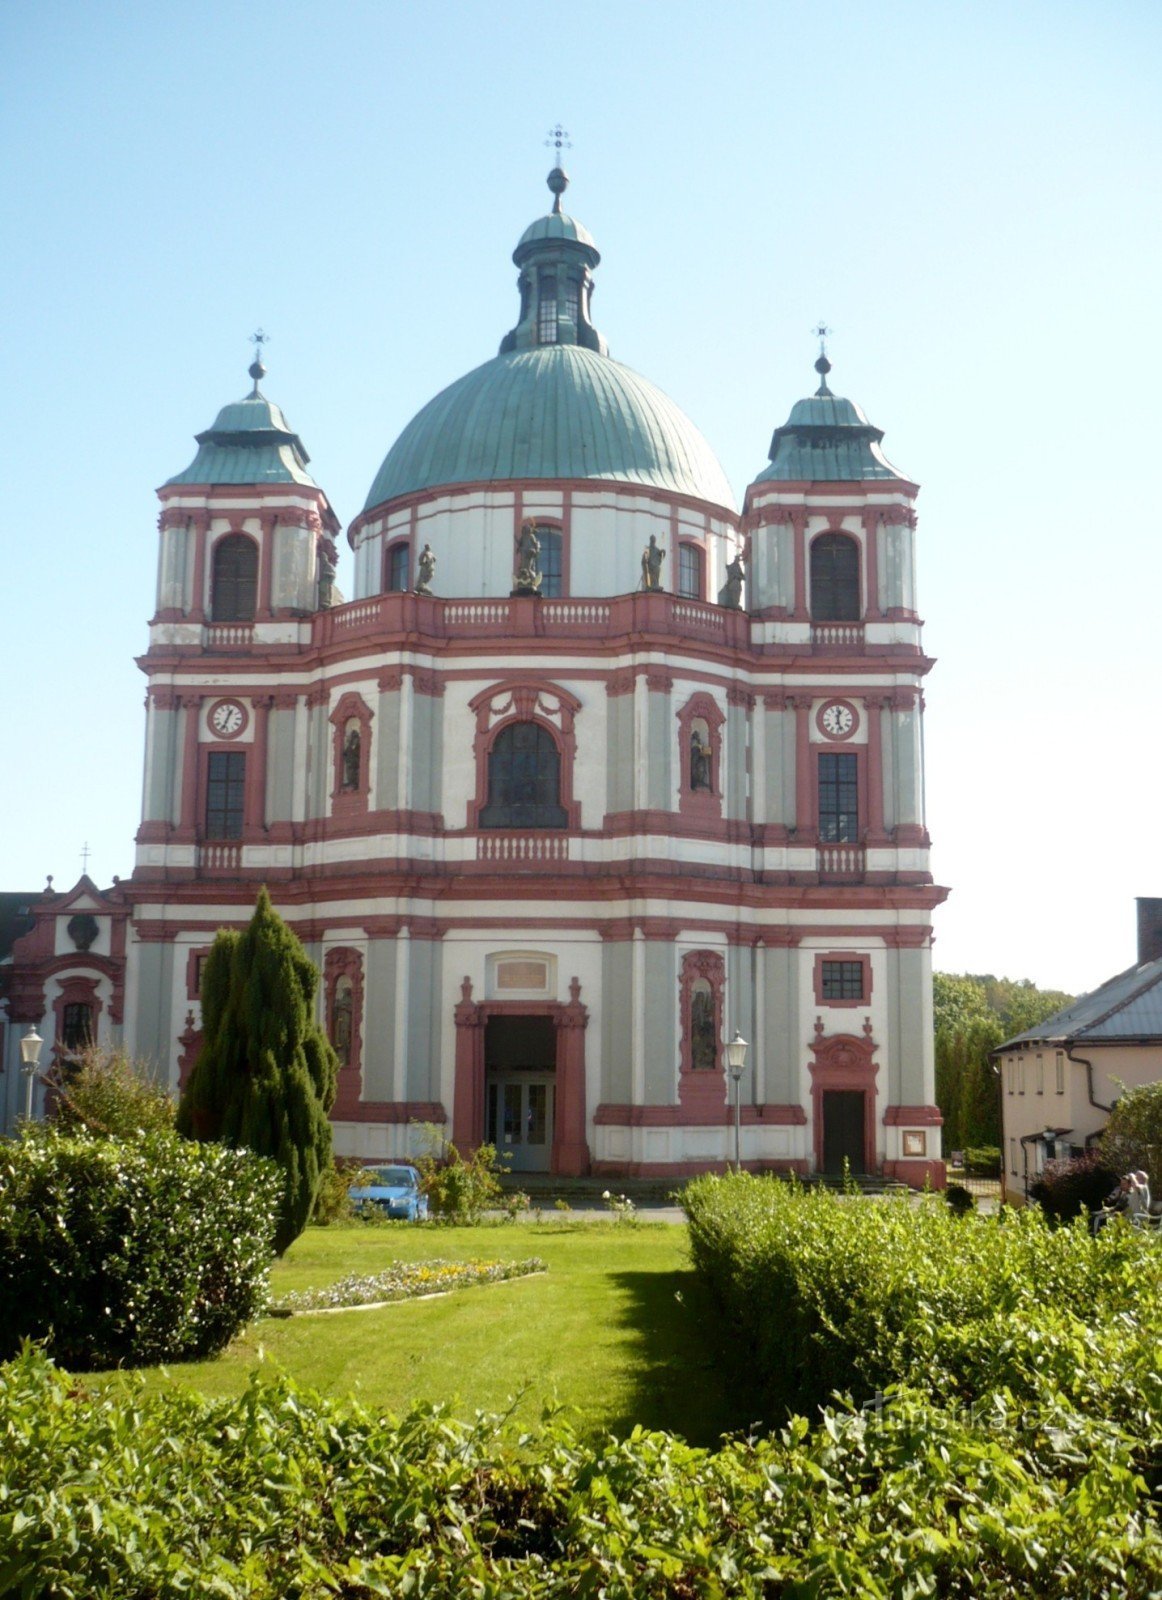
(842, 980)
(1010, 1078)
(838, 806)
(547, 309)
(572, 303)
(77, 1025)
(1020, 1074)
(1040, 1073)
(1060, 1072)
(1013, 1154)
(399, 567)
(550, 562)
(690, 584)
(226, 780)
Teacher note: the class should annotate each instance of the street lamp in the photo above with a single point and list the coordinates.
(30, 1056)
(736, 1061)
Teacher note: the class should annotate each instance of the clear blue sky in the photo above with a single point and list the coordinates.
(968, 194)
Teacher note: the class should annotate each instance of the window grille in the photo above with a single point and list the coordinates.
(235, 579)
(838, 799)
(835, 579)
(524, 780)
(226, 781)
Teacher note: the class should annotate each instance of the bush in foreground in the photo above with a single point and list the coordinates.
(279, 1493)
(131, 1252)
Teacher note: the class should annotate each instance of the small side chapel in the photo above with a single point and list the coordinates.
(593, 771)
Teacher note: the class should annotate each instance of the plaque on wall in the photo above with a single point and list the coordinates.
(522, 975)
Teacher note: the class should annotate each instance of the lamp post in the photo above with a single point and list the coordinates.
(736, 1062)
(30, 1056)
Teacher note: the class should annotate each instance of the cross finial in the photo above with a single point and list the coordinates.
(85, 858)
(559, 140)
(257, 369)
(822, 365)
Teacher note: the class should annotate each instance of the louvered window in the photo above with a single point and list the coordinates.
(835, 579)
(226, 781)
(235, 580)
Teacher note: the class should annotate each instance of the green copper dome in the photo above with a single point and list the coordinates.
(826, 439)
(250, 442)
(552, 404)
(560, 411)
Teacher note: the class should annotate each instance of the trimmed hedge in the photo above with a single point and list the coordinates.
(129, 1253)
(117, 1494)
(831, 1295)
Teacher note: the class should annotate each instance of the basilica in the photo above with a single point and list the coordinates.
(593, 773)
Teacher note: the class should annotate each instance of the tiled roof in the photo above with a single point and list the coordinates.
(1128, 1007)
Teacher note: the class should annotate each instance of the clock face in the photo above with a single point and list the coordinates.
(838, 720)
(228, 719)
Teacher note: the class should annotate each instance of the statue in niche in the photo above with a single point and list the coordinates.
(425, 571)
(83, 930)
(326, 580)
(652, 558)
(528, 553)
(700, 755)
(352, 757)
(703, 1044)
(730, 595)
(341, 1022)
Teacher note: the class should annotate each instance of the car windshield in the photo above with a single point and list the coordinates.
(388, 1178)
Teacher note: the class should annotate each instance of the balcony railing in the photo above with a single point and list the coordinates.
(843, 636)
(229, 635)
(842, 863)
(220, 857)
(522, 849)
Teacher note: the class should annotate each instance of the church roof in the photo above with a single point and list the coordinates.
(1126, 1008)
(826, 439)
(552, 404)
(250, 441)
(559, 411)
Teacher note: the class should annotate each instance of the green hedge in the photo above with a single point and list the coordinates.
(832, 1295)
(128, 1253)
(122, 1495)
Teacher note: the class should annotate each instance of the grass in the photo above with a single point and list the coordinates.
(618, 1329)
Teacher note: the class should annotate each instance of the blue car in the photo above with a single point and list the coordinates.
(394, 1190)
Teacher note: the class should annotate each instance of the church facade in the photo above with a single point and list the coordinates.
(593, 772)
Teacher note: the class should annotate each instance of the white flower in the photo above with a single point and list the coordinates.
(605, 1196)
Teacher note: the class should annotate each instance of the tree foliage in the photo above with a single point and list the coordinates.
(973, 1014)
(265, 1075)
(1133, 1135)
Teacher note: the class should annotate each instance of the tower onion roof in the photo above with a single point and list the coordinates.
(250, 441)
(826, 439)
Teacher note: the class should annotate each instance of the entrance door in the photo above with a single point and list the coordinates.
(843, 1114)
(520, 1058)
(519, 1118)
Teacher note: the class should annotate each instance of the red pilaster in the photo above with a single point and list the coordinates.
(200, 523)
(801, 612)
(268, 520)
(570, 1157)
(871, 541)
(255, 796)
(468, 1088)
(192, 705)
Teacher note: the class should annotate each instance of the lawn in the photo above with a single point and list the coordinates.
(618, 1329)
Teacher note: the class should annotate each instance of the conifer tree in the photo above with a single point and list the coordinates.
(265, 1075)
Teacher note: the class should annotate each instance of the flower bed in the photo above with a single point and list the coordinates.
(406, 1280)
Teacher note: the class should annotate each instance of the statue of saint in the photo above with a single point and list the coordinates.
(699, 762)
(425, 571)
(652, 559)
(341, 1022)
(528, 571)
(703, 1046)
(730, 594)
(352, 752)
(326, 581)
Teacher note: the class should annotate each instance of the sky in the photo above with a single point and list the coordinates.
(967, 194)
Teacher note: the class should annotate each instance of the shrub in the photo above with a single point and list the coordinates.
(983, 1162)
(1067, 1188)
(264, 1079)
(277, 1492)
(333, 1198)
(105, 1094)
(461, 1191)
(959, 1199)
(1133, 1135)
(131, 1252)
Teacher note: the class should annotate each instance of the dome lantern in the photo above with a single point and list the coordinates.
(556, 256)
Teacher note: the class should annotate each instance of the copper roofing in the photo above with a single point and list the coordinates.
(560, 411)
(1126, 1009)
(826, 439)
(250, 442)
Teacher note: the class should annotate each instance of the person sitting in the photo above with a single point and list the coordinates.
(1130, 1199)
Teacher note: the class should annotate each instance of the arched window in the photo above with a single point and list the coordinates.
(691, 584)
(547, 308)
(550, 561)
(397, 567)
(524, 780)
(835, 579)
(235, 579)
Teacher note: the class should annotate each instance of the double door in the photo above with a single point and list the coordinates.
(519, 1119)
